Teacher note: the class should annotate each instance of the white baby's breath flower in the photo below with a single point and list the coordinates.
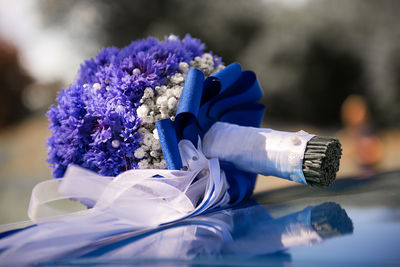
(148, 93)
(140, 153)
(148, 119)
(161, 89)
(149, 102)
(177, 78)
(183, 67)
(142, 111)
(156, 145)
(163, 164)
(172, 102)
(154, 154)
(155, 134)
(148, 139)
(162, 101)
(208, 57)
(172, 37)
(142, 131)
(160, 165)
(169, 92)
(177, 91)
(205, 63)
(143, 164)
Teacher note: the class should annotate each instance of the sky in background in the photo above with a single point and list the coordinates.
(47, 53)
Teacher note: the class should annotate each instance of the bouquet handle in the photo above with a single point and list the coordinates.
(297, 156)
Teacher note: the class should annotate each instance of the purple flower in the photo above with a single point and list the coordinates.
(95, 124)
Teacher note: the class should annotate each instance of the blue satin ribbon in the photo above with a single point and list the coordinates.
(231, 96)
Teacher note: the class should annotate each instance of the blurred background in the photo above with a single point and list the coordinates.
(328, 67)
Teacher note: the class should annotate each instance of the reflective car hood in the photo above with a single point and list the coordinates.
(355, 221)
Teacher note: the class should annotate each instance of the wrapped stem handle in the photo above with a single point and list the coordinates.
(296, 156)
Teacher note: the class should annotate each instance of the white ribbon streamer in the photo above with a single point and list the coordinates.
(257, 150)
(135, 200)
(141, 197)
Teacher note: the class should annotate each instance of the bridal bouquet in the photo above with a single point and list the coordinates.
(162, 130)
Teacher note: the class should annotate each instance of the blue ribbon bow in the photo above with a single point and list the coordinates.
(231, 96)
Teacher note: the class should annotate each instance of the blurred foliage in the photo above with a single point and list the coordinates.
(225, 26)
(309, 58)
(13, 79)
(312, 58)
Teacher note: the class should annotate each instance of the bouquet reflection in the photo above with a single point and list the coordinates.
(246, 232)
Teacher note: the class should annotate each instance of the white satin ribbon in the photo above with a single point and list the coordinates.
(258, 150)
(139, 197)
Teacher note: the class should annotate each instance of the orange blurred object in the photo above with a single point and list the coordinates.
(354, 111)
(367, 147)
(369, 150)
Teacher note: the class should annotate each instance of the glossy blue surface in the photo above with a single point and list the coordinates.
(354, 222)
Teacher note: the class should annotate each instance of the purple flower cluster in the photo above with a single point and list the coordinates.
(95, 124)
